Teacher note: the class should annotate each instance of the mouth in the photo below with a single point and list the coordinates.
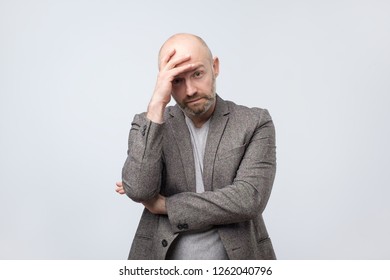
(194, 100)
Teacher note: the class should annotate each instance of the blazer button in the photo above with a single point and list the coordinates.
(182, 226)
(164, 243)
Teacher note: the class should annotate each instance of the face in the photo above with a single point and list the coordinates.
(195, 91)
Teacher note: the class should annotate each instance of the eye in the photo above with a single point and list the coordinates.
(198, 74)
(177, 81)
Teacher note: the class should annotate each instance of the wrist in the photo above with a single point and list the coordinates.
(155, 111)
(163, 206)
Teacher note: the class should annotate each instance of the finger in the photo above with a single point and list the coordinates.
(119, 184)
(176, 61)
(120, 190)
(167, 57)
(183, 69)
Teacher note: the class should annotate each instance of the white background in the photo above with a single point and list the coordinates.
(73, 74)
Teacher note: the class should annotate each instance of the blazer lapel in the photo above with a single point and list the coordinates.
(217, 126)
(183, 142)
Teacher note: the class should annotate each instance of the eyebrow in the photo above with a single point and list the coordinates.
(197, 68)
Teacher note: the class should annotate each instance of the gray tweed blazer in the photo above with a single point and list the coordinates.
(239, 170)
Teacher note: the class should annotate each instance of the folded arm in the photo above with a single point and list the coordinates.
(244, 199)
(141, 173)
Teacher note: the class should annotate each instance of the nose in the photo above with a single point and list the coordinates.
(190, 88)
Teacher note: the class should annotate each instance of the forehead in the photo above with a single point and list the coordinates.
(187, 46)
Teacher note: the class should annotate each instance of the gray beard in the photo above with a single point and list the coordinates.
(200, 111)
(206, 107)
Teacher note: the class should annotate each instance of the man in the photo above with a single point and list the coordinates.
(203, 169)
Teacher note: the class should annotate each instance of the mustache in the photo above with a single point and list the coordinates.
(196, 97)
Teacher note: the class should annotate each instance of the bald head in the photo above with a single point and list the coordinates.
(186, 44)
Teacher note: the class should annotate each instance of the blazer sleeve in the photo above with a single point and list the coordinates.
(244, 199)
(142, 171)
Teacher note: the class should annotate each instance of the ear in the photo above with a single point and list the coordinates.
(216, 66)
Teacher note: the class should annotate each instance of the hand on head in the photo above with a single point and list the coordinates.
(170, 68)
